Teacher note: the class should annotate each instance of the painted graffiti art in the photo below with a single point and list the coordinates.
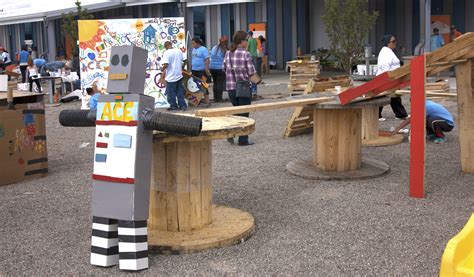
(96, 37)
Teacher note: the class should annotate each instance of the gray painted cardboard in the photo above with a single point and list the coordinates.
(130, 60)
(128, 201)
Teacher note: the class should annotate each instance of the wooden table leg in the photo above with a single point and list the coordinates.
(182, 217)
(370, 129)
(337, 149)
(337, 139)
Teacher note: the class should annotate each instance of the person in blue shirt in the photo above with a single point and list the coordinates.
(24, 55)
(200, 64)
(53, 67)
(438, 120)
(94, 97)
(437, 40)
(39, 63)
(218, 75)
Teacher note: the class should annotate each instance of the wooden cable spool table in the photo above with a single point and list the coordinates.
(337, 140)
(182, 217)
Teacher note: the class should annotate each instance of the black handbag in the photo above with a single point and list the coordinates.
(242, 87)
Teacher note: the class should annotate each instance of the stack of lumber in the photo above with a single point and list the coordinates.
(435, 89)
(438, 86)
(301, 71)
(322, 84)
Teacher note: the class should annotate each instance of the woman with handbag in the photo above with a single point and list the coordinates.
(239, 70)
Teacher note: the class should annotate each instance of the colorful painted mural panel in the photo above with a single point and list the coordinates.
(96, 37)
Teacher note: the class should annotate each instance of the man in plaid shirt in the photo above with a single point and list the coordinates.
(242, 68)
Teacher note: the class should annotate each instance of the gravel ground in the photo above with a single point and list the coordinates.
(303, 227)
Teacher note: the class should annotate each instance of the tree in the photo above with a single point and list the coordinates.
(347, 24)
(69, 25)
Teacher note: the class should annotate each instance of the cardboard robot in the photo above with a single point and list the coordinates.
(122, 159)
(124, 122)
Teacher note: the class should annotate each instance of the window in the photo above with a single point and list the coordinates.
(199, 17)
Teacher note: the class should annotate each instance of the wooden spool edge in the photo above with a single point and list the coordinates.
(370, 168)
(384, 141)
(229, 227)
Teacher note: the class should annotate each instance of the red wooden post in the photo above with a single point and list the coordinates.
(418, 123)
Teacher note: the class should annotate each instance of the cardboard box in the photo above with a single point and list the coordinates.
(23, 152)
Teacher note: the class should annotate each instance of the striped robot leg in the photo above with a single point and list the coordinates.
(133, 245)
(104, 250)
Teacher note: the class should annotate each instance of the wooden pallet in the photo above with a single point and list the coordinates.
(301, 71)
(301, 121)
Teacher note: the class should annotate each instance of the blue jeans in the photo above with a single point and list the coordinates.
(240, 101)
(175, 90)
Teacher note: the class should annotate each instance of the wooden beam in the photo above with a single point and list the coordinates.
(399, 72)
(464, 86)
(262, 107)
(418, 123)
(428, 93)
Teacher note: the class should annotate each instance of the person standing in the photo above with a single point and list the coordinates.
(238, 66)
(218, 75)
(454, 33)
(33, 75)
(24, 55)
(261, 53)
(252, 47)
(5, 58)
(437, 40)
(34, 52)
(200, 64)
(388, 61)
(172, 76)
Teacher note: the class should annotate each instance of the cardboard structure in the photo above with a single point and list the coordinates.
(23, 149)
(96, 37)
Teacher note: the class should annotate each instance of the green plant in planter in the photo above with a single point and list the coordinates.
(347, 24)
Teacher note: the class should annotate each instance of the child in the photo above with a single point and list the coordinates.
(93, 98)
(438, 120)
(33, 75)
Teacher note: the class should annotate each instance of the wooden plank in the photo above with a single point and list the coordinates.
(195, 184)
(352, 93)
(183, 184)
(343, 156)
(262, 107)
(355, 144)
(417, 134)
(428, 93)
(206, 182)
(158, 218)
(370, 123)
(319, 136)
(171, 195)
(466, 115)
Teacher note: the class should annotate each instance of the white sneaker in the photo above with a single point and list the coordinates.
(382, 119)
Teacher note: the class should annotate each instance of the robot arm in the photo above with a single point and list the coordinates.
(165, 122)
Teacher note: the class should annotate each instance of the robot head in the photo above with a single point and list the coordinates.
(127, 69)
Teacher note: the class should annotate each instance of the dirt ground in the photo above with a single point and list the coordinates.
(302, 226)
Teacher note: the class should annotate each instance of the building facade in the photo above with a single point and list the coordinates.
(291, 24)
